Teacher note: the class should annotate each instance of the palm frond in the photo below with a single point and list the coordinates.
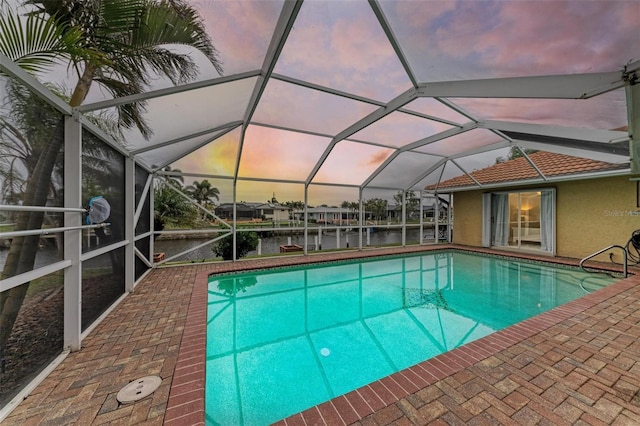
(174, 23)
(106, 121)
(117, 17)
(154, 59)
(38, 43)
(132, 114)
(132, 37)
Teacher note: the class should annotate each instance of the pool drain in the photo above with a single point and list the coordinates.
(325, 352)
(138, 389)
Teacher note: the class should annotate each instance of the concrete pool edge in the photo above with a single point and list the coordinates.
(186, 404)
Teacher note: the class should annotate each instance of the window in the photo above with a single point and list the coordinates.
(520, 219)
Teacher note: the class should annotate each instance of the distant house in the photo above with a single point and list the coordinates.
(330, 215)
(275, 212)
(272, 212)
(573, 207)
(394, 212)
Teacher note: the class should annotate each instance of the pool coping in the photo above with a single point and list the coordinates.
(186, 404)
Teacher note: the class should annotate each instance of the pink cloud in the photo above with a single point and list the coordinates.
(571, 37)
(376, 158)
(240, 30)
(419, 14)
(481, 39)
(350, 53)
(607, 111)
(351, 163)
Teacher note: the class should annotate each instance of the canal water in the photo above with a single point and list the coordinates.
(271, 244)
(268, 244)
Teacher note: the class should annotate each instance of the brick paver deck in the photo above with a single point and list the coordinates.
(577, 364)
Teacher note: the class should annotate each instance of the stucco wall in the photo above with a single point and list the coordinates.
(590, 215)
(467, 218)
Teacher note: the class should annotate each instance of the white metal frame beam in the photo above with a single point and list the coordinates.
(147, 148)
(577, 133)
(283, 27)
(569, 86)
(376, 115)
(12, 70)
(104, 137)
(195, 148)
(141, 97)
(354, 97)
(382, 20)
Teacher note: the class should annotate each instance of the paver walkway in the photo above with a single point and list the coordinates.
(575, 365)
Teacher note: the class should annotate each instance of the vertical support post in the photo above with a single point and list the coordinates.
(129, 225)
(436, 219)
(337, 237)
(404, 218)
(152, 222)
(450, 219)
(73, 239)
(235, 218)
(306, 219)
(632, 92)
(421, 218)
(360, 218)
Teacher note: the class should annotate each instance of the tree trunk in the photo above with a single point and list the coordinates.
(22, 253)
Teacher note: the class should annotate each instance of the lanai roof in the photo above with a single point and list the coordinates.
(388, 95)
(537, 166)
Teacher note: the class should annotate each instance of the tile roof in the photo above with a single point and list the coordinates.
(519, 169)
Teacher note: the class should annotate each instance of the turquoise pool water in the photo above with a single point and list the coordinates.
(281, 341)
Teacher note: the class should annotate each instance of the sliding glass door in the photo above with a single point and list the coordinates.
(520, 219)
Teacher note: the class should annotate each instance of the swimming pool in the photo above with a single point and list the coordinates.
(280, 341)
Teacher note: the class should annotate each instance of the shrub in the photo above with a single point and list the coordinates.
(172, 209)
(245, 242)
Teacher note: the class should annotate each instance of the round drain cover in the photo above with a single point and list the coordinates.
(138, 389)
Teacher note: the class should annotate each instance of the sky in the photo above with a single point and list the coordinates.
(340, 44)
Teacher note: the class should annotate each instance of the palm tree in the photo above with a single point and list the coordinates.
(172, 209)
(119, 45)
(176, 181)
(203, 193)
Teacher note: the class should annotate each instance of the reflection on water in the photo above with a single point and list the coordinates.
(271, 245)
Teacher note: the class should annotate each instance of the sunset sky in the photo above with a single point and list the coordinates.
(340, 44)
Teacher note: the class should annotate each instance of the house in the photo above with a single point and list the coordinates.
(394, 212)
(572, 207)
(272, 212)
(330, 215)
(275, 212)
